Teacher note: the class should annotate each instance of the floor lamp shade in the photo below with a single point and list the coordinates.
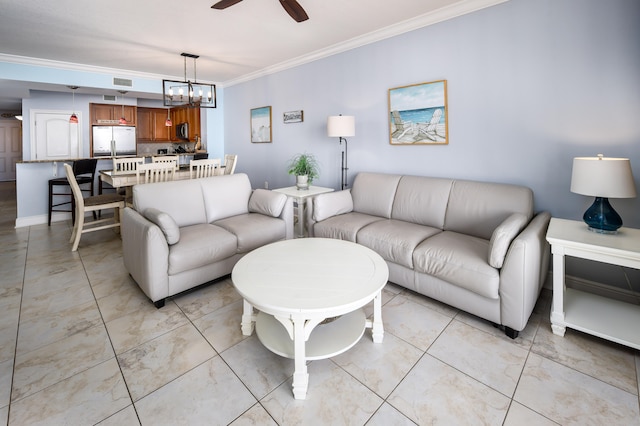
(603, 178)
(341, 126)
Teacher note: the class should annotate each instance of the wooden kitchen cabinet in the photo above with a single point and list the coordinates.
(151, 127)
(144, 126)
(161, 132)
(105, 114)
(186, 115)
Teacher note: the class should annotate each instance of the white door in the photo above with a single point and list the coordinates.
(53, 137)
(10, 148)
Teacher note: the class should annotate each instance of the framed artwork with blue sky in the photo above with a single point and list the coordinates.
(261, 124)
(418, 114)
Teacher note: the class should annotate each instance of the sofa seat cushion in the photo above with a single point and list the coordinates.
(200, 245)
(459, 259)
(395, 240)
(344, 226)
(254, 230)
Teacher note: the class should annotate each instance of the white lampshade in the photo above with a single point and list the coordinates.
(603, 177)
(341, 126)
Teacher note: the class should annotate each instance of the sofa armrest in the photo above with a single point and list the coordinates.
(287, 216)
(524, 272)
(145, 253)
(324, 206)
(268, 203)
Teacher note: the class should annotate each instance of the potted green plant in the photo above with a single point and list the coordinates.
(305, 168)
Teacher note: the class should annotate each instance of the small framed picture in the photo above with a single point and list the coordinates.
(261, 125)
(293, 117)
(418, 114)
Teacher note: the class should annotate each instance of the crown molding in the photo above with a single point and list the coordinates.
(71, 66)
(463, 7)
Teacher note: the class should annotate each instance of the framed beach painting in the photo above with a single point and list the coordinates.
(418, 114)
(261, 124)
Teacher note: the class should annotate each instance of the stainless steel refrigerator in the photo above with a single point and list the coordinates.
(109, 141)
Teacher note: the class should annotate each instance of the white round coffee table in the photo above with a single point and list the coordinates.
(296, 285)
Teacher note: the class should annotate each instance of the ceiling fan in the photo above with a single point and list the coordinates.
(292, 7)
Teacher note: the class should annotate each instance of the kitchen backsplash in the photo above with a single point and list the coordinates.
(147, 149)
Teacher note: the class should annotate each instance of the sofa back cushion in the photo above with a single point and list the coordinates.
(477, 208)
(180, 199)
(422, 200)
(225, 196)
(373, 193)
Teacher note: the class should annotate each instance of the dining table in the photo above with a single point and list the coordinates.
(127, 180)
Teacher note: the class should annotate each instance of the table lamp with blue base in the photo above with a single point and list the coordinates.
(602, 177)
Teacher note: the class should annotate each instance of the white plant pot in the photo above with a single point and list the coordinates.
(302, 182)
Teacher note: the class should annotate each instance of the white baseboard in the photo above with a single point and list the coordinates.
(41, 219)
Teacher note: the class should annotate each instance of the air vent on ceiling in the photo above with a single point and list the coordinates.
(110, 98)
(122, 82)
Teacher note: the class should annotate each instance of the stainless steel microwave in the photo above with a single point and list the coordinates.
(182, 131)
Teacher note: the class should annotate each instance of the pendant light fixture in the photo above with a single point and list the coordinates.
(168, 122)
(122, 121)
(74, 118)
(188, 93)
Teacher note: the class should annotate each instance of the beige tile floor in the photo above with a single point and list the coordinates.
(80, 344)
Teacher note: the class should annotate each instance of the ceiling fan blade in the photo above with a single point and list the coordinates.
(223, 4)
(294, 10)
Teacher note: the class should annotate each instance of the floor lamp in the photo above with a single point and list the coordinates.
(341, 126)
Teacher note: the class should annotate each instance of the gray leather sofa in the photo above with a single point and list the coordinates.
(181, 234)
(473, 245)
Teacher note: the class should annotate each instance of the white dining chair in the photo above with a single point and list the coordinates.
(155, 172)
(230, 164)
(92, 204)
(174, 159)
(204, 168)
(126, 165)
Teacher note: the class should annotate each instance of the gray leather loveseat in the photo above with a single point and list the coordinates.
(181, 234)
(476, 246)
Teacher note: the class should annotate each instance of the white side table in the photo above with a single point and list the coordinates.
(597, 315)
(299, 196)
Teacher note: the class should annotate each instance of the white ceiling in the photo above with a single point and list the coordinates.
(248, 39)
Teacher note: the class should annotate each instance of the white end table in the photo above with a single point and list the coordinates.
(296, 285)
(299, 196)
(597, 315)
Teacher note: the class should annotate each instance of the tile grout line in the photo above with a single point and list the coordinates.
(115, 355)
(15, 348)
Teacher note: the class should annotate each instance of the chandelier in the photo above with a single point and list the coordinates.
(188, 93)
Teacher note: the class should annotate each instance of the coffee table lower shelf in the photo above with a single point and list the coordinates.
(325, 341)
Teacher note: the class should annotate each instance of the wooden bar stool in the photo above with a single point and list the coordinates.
(85, 171)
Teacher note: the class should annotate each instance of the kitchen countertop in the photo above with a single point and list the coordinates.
(63, 160)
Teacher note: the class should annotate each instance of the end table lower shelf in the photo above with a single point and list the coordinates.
(603, 317)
